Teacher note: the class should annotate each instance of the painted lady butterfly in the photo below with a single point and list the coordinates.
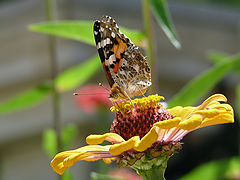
(126, 69)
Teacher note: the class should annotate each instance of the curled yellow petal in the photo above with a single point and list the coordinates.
(192, 123)
(147, 141)
(225, 116)
(66, 159)
(117, 149)
(214, 99)
(168, 124)
(98, 139)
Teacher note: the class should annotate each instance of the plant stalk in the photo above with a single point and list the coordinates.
(150, 49)
(50, 8)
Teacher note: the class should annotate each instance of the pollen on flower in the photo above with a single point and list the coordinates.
(151, 100)
(137, 120)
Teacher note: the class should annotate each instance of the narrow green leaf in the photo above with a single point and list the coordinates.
(49, 142)
(217, 57)
(214, 170)
(77, 75)
(76, 30)
(25, 99)
(163, 17)
(203, 83)
(68, 134)
(96, 176)
(79, 30)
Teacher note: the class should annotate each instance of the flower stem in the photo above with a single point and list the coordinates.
(153, 174)
(50, 7)
(148, 30)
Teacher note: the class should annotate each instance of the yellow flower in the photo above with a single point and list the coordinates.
(146, 135)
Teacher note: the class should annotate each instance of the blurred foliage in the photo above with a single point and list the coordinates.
(67, 175)
(69, 132)
(96, 176)
(215, 170)
(217, 57)
(67, 80)
(205, 82)
(80, 31)
(77, 75)
(49, 142)
(163, 17)
(26, 99)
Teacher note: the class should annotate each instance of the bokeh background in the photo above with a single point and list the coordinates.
(202, 26)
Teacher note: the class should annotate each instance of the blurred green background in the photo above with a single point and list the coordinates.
(202, 27)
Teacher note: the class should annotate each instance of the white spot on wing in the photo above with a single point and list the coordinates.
(111, 59)
(98, 45)
(102, 43)
(113, 34)
(108, 41)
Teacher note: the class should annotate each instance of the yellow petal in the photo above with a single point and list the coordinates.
(108, 160)
(214, 99)
(66, 159)
(223, 117)
(191, 123)
(208, 113)
(98, 139)
(182, 112)
(117, 149)
(147, 141)
(168, 124)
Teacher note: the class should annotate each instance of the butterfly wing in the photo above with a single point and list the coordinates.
(122, 61)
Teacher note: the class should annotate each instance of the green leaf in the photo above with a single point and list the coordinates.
(163, 17)
(25, 99)
(203, 83)
(67, 175)
(68, 134)
(77, 75)
(217, 57)
(214, 170)
(96, 176)
(79, 30)
(49, 142)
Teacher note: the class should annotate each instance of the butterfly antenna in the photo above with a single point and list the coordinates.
(100, 84)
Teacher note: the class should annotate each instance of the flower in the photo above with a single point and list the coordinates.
(91, 97)
(144, 135)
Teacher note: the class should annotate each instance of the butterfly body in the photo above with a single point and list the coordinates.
(125, 67)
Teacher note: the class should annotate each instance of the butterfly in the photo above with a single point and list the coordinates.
(126, 69)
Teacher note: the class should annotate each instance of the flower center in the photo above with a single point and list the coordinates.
(136, 117)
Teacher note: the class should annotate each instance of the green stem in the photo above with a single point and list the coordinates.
(50, 6)
(150, 50)
(156, 173)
